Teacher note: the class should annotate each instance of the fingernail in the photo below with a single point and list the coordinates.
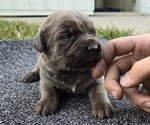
(113, 93)
(125, 81)
(146, 105)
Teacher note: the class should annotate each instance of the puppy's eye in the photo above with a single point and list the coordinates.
(68, 36)
(93, 31)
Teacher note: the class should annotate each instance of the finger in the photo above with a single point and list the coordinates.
(146, 84)
(146, 109)
(145, 92)
(138, 73)
(112, 49)
(138, 98)
(99, 69)
(112, 78)
(111, 83)
(117, 47)
(125, 45)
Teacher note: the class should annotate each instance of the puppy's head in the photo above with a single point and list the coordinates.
(67, 40)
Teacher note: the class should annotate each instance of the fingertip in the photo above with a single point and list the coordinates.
(146, 109)
(114, 89)
(125, 81)
(99, 69)
(118, 95)
(97, 73)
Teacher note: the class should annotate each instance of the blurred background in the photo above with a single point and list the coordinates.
(45, 7)
(112, 18)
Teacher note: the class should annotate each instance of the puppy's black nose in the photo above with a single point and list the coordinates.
(93, 49)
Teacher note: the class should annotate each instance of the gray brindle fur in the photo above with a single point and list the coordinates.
(68, 49)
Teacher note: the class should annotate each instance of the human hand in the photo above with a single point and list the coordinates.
(129, 51)
(139, 73)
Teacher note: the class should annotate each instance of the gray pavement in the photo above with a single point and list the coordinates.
(18, 100)
(140, 24)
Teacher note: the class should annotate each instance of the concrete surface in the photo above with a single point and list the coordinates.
(140, 24)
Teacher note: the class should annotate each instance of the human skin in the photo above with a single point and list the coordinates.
(127, 56)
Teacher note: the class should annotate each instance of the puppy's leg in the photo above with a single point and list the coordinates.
(49, 100)
(32, 76)
(101, 106)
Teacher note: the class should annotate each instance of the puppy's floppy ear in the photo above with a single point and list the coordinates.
(39, 41)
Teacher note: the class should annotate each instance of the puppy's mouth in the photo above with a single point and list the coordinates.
(91, 63)
(85, 63)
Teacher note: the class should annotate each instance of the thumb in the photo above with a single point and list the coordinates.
(138, 73)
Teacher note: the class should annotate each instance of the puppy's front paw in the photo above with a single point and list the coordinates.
(46, 107)
(102, 110)
(31, 77)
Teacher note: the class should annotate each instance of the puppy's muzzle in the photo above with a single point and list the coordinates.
(85, 53)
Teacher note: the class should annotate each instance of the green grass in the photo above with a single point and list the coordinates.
(23, 30)
(17, 29)
(111, 32)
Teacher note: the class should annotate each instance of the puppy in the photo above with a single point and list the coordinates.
(68, 49)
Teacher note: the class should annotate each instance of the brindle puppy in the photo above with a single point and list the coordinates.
(68, 49)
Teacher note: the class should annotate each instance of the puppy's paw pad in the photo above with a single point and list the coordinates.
(102, 110)
(31, 77)
(46, 107)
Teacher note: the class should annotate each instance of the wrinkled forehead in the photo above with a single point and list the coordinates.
(74, 20)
